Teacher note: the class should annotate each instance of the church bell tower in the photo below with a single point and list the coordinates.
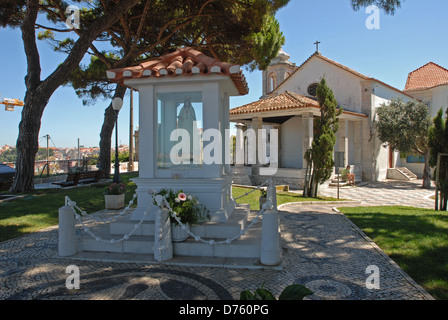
(278, 71)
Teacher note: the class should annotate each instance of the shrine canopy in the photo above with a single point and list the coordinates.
(182, 62)
(184, 95)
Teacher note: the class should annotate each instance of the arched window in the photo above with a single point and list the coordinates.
(272, 82)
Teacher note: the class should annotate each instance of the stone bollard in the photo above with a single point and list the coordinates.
(67, 234)
(270, 235)
(163, 245)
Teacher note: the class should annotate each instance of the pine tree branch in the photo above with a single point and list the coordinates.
(32, 78)
(53, 81)
(52, 29)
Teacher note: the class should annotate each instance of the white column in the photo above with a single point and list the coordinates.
(279, 143)
(147, 132)
(67, 245)
(239, 145)
(343, 139)
(211, 102)
(357, 147)
(257, 124)
(163, 246)
(147, 151)
(270, 235)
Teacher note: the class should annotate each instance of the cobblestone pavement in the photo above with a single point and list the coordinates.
(321, 249)
(387, 192)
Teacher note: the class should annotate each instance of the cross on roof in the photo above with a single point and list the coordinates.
(317, 45)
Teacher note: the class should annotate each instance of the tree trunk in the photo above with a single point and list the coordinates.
(313, 182)
(106, 134)
(445, 190)
(28, 142)
(427, 172)
(38, 92)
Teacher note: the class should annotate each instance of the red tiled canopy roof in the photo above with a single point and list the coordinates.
(184, 61)
(285, 101)
(428, 76)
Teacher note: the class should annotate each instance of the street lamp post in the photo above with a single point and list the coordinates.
(117, 103)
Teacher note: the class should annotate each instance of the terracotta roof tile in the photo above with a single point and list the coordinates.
(184, 61)
(427, 76)
(285, 101)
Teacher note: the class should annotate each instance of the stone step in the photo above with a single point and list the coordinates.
(248, 246)
(135, 244)
(125, 225)
(142, 241)
(341, 184)
(408, 173)
(224, 230)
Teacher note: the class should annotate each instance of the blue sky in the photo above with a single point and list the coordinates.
(414, 36)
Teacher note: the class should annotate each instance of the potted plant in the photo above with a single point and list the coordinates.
(188, 210)
(114, 196)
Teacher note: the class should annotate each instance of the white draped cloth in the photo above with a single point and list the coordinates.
(187, 121)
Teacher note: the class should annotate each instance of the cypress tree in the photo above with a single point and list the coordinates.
(320, 155)
(438, 144)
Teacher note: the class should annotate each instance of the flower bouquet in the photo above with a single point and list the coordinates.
(188, 210)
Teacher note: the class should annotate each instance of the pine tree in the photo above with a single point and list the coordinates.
(320, 155)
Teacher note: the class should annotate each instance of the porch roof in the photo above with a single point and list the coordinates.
(281, 105)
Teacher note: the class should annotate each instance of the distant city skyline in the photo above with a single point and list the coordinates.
(404, 42)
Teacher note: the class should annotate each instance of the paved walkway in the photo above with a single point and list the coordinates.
(322, 250)
(387, 192)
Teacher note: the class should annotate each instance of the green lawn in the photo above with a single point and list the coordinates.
(39, 209)
(282, 197)
(416, 239)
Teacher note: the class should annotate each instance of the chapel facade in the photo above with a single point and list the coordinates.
(289, 105)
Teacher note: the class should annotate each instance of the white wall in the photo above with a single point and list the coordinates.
(346, 86)
(439, 100)
(291, 144)
(383, 94)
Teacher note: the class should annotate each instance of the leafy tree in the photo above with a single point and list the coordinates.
(242, 32)
(438, 144)
(24, 14)
(11, 154)
(405, 127)
(98, 21)
(320, 155)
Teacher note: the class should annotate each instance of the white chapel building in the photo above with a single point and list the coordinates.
(288, 104)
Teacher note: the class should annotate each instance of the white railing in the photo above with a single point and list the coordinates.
(74, 207)
(163, 203)
(162, 244)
